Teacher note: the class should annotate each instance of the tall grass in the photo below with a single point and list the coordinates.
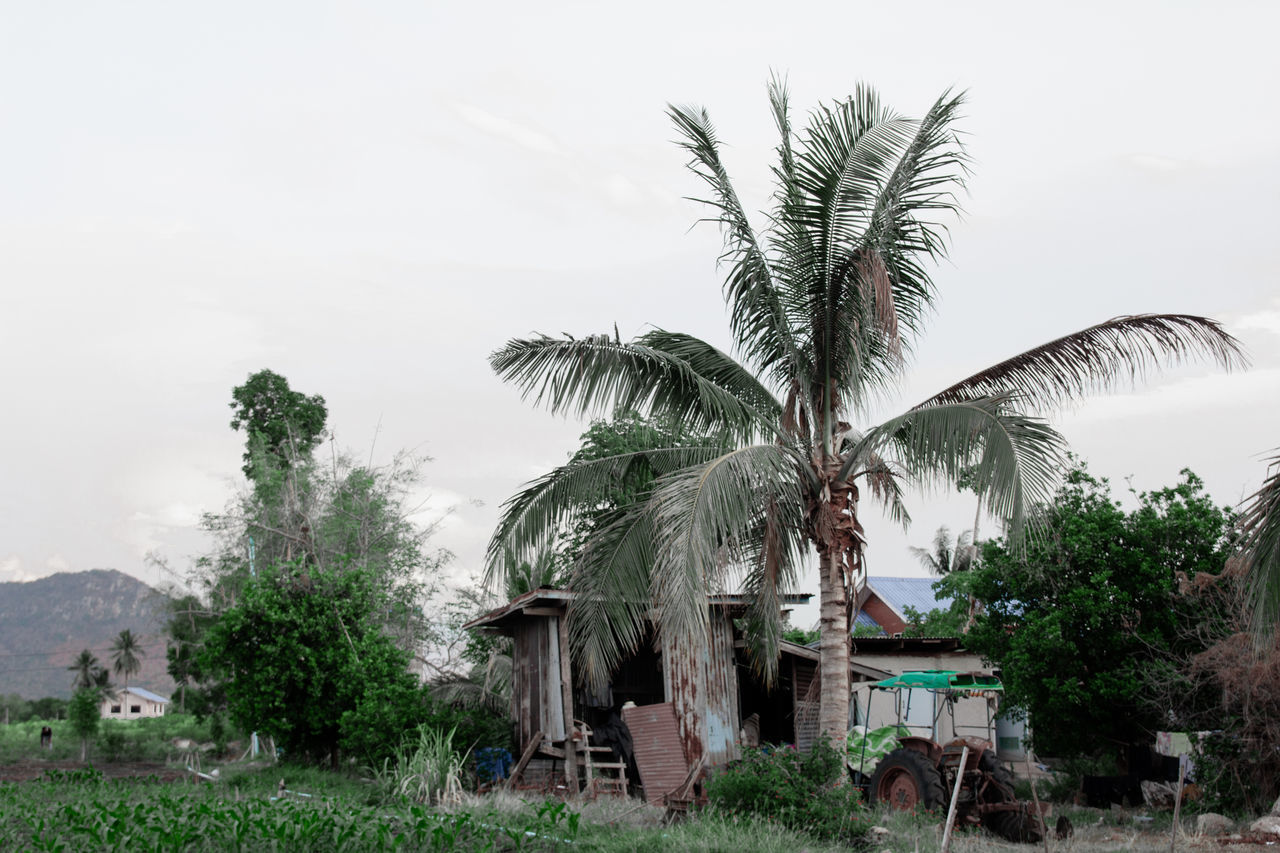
(429, 770)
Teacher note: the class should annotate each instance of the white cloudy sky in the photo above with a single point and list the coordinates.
(369, 198)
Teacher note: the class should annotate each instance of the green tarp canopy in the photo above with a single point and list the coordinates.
(942, 679)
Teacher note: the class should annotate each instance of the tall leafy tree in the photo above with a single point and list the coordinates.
(281, 424)
(826, 302)
(126, 654)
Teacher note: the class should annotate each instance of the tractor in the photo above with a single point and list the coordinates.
(914, 770)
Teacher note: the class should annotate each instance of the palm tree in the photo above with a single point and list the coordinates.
(86, 669)
(825, 303)
(1260, 528)
(947, 556)
(125, 654)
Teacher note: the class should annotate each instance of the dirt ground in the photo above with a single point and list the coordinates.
(27, 771)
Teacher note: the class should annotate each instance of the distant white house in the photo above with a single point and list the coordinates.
(131, 703)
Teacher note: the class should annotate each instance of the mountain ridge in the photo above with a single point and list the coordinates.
(46, 623)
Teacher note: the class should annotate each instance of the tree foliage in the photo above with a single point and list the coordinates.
(84, 713)
(281, 424)
(126, 654)
(306, 659)
(322, 563)
(86, 668)
(1076, 620)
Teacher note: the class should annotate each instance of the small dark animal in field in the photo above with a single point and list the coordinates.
(46, 738)
(1064, 829)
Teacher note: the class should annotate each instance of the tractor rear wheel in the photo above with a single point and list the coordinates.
(1018, 825)
(906, 780)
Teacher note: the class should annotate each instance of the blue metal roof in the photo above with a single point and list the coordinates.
(901, 593)
(145, 694)
(862, 620)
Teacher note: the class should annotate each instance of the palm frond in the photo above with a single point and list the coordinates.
(717, 367)
(554, 501)
(757, 316)
(1096, 358)
(598, 375)
(770, 554)
(1016, 459)
(883, 478)
(707, 519)
(1259, 526)
(611, 580)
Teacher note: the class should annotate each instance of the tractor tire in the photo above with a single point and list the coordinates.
(1019, 826)
(905, 780)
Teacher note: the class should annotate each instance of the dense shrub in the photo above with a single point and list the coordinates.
(802, 791)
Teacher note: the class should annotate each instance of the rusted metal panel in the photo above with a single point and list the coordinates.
(723, 717)
(656, 740)
(701, 683)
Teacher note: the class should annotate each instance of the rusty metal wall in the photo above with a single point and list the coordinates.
(701, 683)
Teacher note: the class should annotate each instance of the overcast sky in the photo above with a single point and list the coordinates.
(369, 198)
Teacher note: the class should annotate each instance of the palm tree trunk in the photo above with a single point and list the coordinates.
(833, 639)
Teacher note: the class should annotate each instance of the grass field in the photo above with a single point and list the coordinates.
(155, 806)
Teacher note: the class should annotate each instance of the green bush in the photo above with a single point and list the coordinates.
(801, 791)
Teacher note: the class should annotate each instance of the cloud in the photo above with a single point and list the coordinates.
(11, 569)
(1196, 394)
(57, 563)
(1267, 320)
(1156, 163)
(525, 137)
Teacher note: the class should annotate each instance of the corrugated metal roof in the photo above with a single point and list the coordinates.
(901, 593)
(862, 620)
(146, 694)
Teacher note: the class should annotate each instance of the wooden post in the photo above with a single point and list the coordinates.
(1035, 798)
(1177, 803)
(566, 696)
(955, 796)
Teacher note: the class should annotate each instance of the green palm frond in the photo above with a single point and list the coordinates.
(1016, 459)
(598, 374)
(884, 481)
(1097, 357)
(1260, 529)
(554, 501)
(717, 367)
(611, 601)
(771, 555)
(757, 314)
(704, 518)
(484, 686)
(856, 232)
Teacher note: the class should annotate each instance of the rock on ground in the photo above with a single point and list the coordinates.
(1267, 823)
(1211, 823)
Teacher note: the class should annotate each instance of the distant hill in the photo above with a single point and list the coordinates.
(46, 623)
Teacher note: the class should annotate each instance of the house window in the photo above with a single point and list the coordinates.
(135, 709)
(115, 709)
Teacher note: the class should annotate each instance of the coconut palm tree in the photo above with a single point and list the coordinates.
(947, 555)
(125, 654)
(86, 669)
(825, 303)
(1260, 528)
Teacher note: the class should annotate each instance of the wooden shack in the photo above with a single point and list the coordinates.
(711, 687)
